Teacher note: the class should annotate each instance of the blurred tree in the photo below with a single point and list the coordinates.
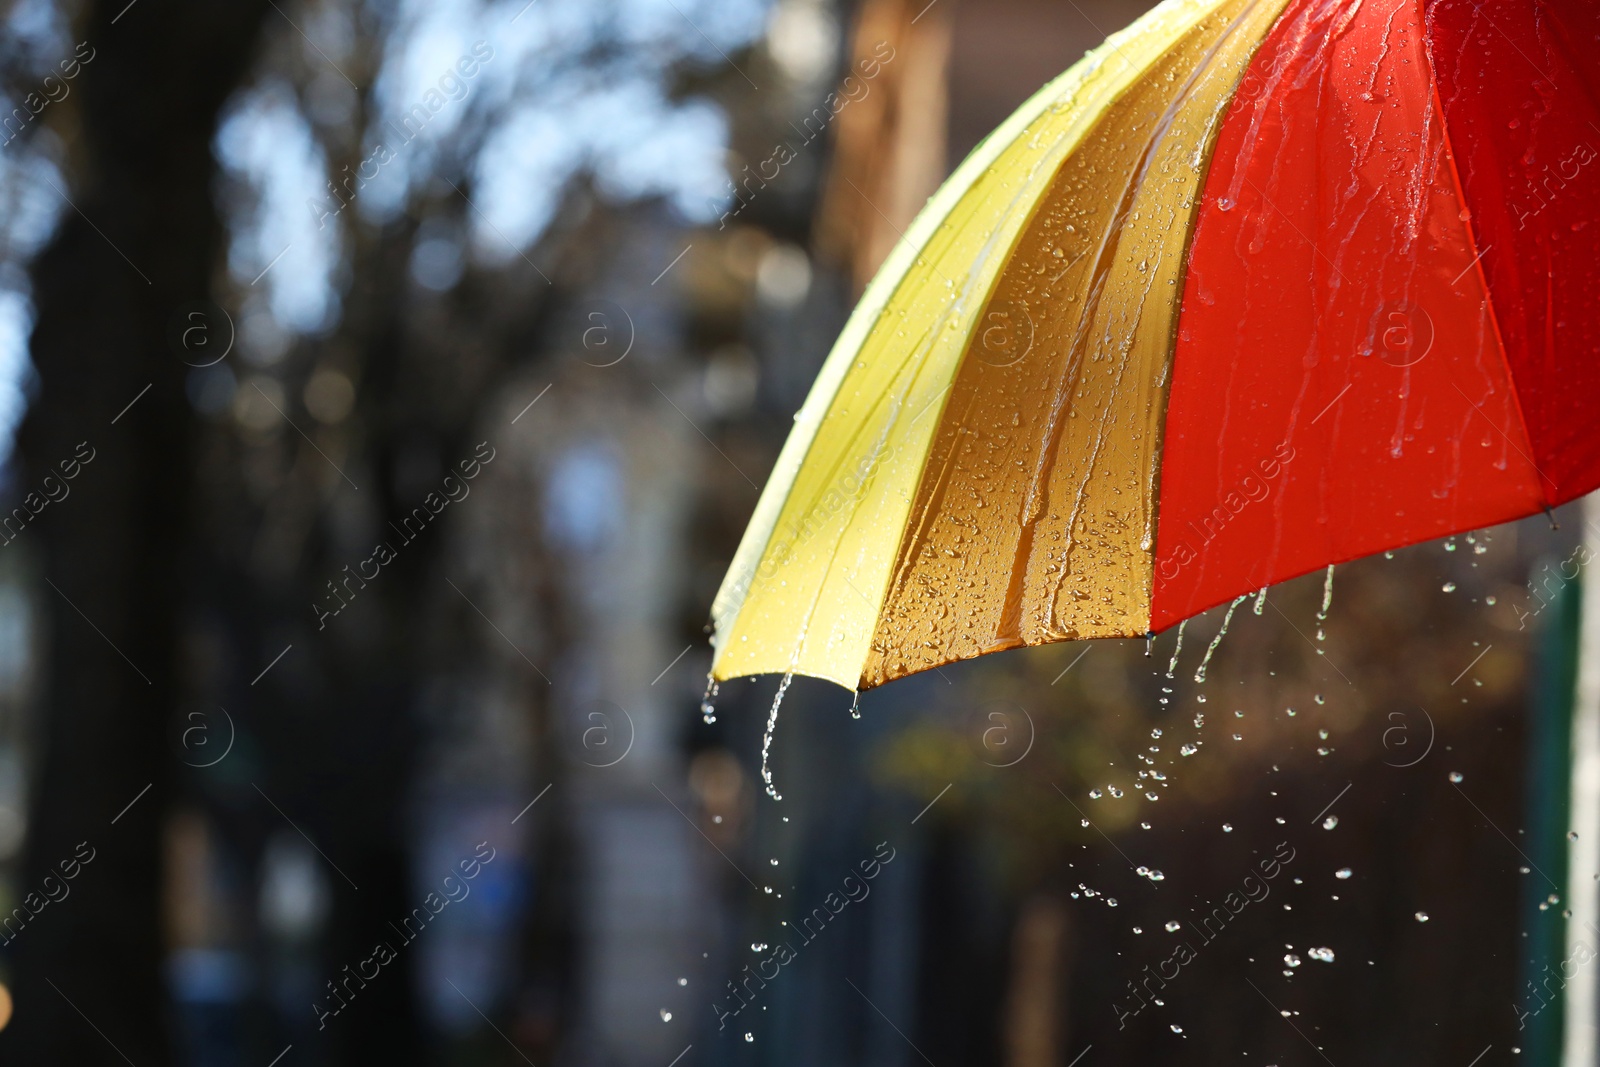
(142, 239)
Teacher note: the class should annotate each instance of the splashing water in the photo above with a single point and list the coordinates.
(1200, 671)
(772, 728)
(708, 711)
(1177, 650)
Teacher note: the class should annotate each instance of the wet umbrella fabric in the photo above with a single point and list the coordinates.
(1254, 288)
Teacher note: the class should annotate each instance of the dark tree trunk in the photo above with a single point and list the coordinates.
(141, 239)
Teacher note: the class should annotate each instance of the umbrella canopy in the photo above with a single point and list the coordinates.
(1254, 288)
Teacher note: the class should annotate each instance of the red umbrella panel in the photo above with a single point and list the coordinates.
(1257, 288)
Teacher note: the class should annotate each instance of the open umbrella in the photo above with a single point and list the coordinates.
(1254, 288)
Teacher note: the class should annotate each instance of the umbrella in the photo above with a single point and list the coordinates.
(1252, 289)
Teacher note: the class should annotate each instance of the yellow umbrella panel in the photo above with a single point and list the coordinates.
(974, 468)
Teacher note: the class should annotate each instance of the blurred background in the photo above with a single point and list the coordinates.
(383, 391)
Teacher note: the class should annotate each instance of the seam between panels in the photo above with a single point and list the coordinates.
(1183, 274)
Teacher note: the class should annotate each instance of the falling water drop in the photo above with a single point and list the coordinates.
(1227, 827)
(1323, 954)
(683, 981)
(1176, 1028)
(1457, 776)
(1327, 601)
(1342, 873)
(1177, 649)
(1422, 916)
(1330, 822)
(1261, 600)
(666, 1016)
(1173, 925)
(1200, 671)
(749, 1036)
(855, 706)
(766, 737)
(707, 710)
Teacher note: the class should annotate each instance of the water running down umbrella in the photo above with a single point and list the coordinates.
(1253, 289)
